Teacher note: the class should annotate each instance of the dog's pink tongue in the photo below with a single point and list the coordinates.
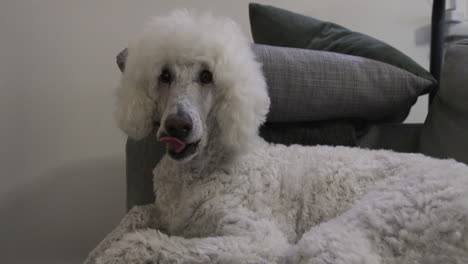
(173, 143)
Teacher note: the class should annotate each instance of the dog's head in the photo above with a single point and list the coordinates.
(194, 79)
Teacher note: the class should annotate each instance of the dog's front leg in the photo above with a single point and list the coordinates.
(239, 238)
(139, 217)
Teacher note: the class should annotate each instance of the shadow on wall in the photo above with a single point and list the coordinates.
(60, 218)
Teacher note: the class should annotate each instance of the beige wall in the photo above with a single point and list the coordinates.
(62, 159)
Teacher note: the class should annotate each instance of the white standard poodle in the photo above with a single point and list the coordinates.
(224, 195)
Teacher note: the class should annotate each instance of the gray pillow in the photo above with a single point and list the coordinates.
(445, 131)
(309, 85)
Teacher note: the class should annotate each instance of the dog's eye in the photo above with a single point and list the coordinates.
(165, 76)
(206, 77)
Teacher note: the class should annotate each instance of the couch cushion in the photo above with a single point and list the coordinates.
(445, 131)
(309, 85)
(330, 132)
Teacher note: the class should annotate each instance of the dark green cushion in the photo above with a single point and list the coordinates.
(279, 27)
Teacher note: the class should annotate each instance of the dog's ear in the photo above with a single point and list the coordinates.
(121, 59)
(244, 105)
(134, 111)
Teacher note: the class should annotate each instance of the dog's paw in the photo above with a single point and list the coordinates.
(140, 217)
(151, 247)
(139, 247)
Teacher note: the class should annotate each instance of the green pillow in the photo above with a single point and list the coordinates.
(279, 27)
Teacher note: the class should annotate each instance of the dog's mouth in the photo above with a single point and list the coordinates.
(178, 149)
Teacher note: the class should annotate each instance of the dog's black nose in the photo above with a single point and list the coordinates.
(179, 125)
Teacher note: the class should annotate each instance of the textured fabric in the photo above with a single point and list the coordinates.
(279, 27)
(396, 137)
(445, 131)
(308, 85)
(142, 156)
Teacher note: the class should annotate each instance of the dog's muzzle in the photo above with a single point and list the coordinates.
(178, 127)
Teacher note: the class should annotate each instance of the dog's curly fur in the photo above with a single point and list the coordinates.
(238, 199)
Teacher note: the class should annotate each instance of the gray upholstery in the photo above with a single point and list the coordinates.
(330, 132)
(142, 157)
(308, 85)
(396, 137)
(445, 132)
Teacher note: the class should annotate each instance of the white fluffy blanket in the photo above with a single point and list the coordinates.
(300, 205)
